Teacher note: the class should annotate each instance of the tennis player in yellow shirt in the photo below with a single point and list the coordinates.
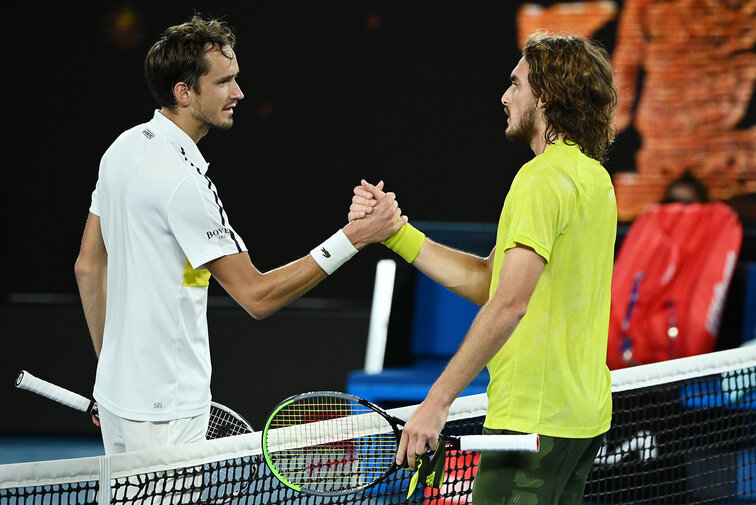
(544, 289)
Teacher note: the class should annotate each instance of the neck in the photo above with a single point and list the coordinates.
(538, 143)
(184, 120)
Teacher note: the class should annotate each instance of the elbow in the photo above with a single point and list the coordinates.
(90, 266)
(260, 308)
(258, 314)
(255, 301)
(258, 297)
(479, 301)
(516, 310)
(83, 269)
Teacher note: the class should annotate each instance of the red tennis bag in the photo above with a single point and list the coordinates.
(670, 281)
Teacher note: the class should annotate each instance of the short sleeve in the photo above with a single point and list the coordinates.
(541, 203)
(200, 224)
(94, 206)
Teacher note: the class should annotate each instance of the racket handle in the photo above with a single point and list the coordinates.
(529, 442)
(27, 381)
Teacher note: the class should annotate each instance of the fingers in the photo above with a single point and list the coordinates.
(362, 204)
(359, 210)
(406, 451)
(374, 191)
(388, 199)
(379, 209)
(365, 197)
(360, 207)
(362, 195)
(411, 447)
(400, 452)
(392, 205)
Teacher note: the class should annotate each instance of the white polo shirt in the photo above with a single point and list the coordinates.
(161, 220)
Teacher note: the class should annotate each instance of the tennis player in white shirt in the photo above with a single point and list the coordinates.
(157, 230)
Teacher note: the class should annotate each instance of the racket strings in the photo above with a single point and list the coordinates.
(224, 424)
(330, 444)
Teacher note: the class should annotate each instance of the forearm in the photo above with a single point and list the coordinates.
(494, 324)
(465, 274)
(489, 332)
(91, 271)
(93, 292)
(262, 294)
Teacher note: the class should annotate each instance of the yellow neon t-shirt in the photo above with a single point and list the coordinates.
(551, 376)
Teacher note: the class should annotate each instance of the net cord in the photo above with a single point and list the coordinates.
(122, 465)
(664, 372)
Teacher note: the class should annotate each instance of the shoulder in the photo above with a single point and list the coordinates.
(548, 172)
(147, 146)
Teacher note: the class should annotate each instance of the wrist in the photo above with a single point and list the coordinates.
(334, 252)
(406, 242)
(439, 400)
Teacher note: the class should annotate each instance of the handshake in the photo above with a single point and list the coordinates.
(375, 216)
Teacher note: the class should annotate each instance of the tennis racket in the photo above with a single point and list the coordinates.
(329, 443)
(224, 422)
(204, 484)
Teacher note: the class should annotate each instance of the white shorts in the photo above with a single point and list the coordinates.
(124, 435)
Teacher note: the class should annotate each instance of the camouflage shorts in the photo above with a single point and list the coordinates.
(555, 475)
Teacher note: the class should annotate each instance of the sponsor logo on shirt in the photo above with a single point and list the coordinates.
(219, 233)
(147, 133)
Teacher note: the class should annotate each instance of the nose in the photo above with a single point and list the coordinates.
(505, 98)
(237, 92)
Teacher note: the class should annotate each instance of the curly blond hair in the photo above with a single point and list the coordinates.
(573, 77)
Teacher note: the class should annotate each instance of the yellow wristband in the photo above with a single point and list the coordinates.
(406, 242)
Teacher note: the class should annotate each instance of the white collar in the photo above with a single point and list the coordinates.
(180, 137)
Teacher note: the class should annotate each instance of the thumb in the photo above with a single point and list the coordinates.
(375, 190)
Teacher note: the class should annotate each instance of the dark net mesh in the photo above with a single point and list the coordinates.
(74, 493)
(686, 442)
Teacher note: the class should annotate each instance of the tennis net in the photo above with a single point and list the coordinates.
(683, 432)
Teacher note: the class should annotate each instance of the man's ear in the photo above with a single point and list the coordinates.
(182, 93)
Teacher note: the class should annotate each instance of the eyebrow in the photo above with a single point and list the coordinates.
(227, 77)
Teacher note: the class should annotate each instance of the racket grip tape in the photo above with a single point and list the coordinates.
(29, 382)
(529, 442)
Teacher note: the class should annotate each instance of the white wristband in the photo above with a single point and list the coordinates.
(334, 252)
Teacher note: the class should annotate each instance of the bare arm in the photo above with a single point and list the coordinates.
(91, 271)
(261, 294)
(463, 273)
(490, 330)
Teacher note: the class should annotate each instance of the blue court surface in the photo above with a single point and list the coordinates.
(20, 449)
